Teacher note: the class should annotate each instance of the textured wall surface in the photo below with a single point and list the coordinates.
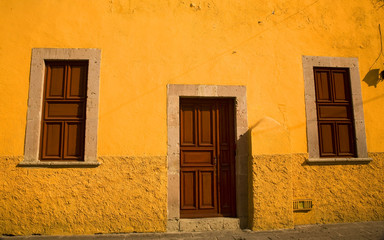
(123, 194)
(271, 192)
(340, 193)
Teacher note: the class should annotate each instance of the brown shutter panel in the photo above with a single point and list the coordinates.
(344, 127)
(63, 125)
(345, 131)
(334, 112)
(52, 140)
(74, 137)
(327, 139)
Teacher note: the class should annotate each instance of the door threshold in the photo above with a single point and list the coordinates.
(203, 224)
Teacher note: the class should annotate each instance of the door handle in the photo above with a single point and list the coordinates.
(214, 161)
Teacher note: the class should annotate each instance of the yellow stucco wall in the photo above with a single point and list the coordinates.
(271, 192)
(147, 44)
(339, 193)
(123, 194)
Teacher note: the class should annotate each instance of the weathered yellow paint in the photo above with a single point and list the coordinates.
(147, 44)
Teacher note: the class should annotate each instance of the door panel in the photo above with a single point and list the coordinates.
(77, 84)
(340, 86)
(322, 86)
(224, 157)
(225, 199)
(207, 185)
(227, 159)
(207, 173)
(197, 158)
(187, 132)
(188, 193)
(206, 131)
(56, 80)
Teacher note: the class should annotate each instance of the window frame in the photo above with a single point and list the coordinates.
(309, 63)
(35, 105)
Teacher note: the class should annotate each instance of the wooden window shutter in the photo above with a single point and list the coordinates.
(64, 103)
(334, 112)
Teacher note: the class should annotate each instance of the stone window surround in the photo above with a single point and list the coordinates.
(35, 99)
(309, 62)
(174, 92)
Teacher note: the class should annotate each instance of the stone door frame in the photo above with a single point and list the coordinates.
(174, 92)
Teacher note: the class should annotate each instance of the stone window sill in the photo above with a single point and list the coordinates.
(59, 164)
(338, 160)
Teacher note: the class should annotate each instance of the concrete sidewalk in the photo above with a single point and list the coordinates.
(362, 230)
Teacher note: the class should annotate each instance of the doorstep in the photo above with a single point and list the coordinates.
(203, 224)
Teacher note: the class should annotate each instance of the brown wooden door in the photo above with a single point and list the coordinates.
(207, 158)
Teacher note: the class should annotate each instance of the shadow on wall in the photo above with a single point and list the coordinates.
(374, 77)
